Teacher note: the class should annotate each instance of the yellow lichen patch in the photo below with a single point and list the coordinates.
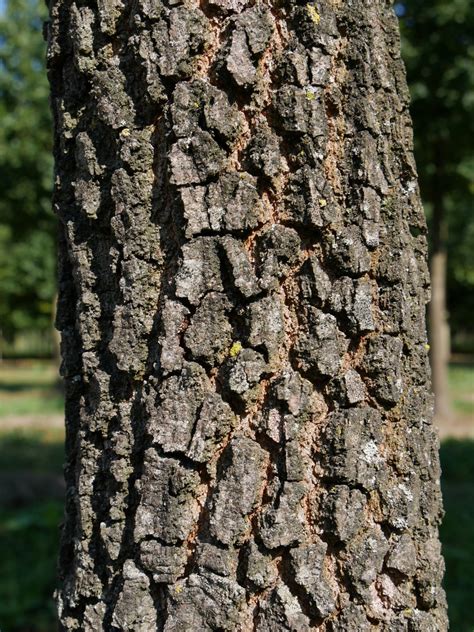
(125, 132)
(322, 203)
(310, 95)
(235, 349)
(313, 14)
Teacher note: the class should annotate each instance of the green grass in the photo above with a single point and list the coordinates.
(29, 388)
(29, 534)
(32, 450)
(457, 531)
(28, 552)
(461, 387)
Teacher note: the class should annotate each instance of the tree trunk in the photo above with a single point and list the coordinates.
(438, 313)
(243, 284)
(439, 336)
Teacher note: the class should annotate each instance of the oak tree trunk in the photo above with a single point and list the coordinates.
(243, 284)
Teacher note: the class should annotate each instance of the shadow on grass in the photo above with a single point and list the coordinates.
(31, 509)
(32, 450)
(19, 387)
(28, 551)
(457, 530)
(29, 531)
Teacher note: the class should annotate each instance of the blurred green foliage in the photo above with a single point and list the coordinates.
(438, 49)
(27, 225)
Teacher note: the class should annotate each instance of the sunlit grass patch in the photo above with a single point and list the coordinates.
(461, 387)
(29, 388)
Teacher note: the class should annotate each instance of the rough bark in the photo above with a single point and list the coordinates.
(243, 283)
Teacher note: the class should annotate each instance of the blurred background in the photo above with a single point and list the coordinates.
(438, 48)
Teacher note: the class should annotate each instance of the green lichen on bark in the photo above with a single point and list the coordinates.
(241, 301)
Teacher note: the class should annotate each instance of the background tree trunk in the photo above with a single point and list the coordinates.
(439, 335)
(438, 311)
(243, 283)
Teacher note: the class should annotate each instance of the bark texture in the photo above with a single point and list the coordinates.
(243, 284)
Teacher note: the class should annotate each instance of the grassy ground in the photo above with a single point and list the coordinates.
(461, 386)
(31, 445)
(28, 554)
(29, 387)
(457, 530)
(30, 514)
(31, 455)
